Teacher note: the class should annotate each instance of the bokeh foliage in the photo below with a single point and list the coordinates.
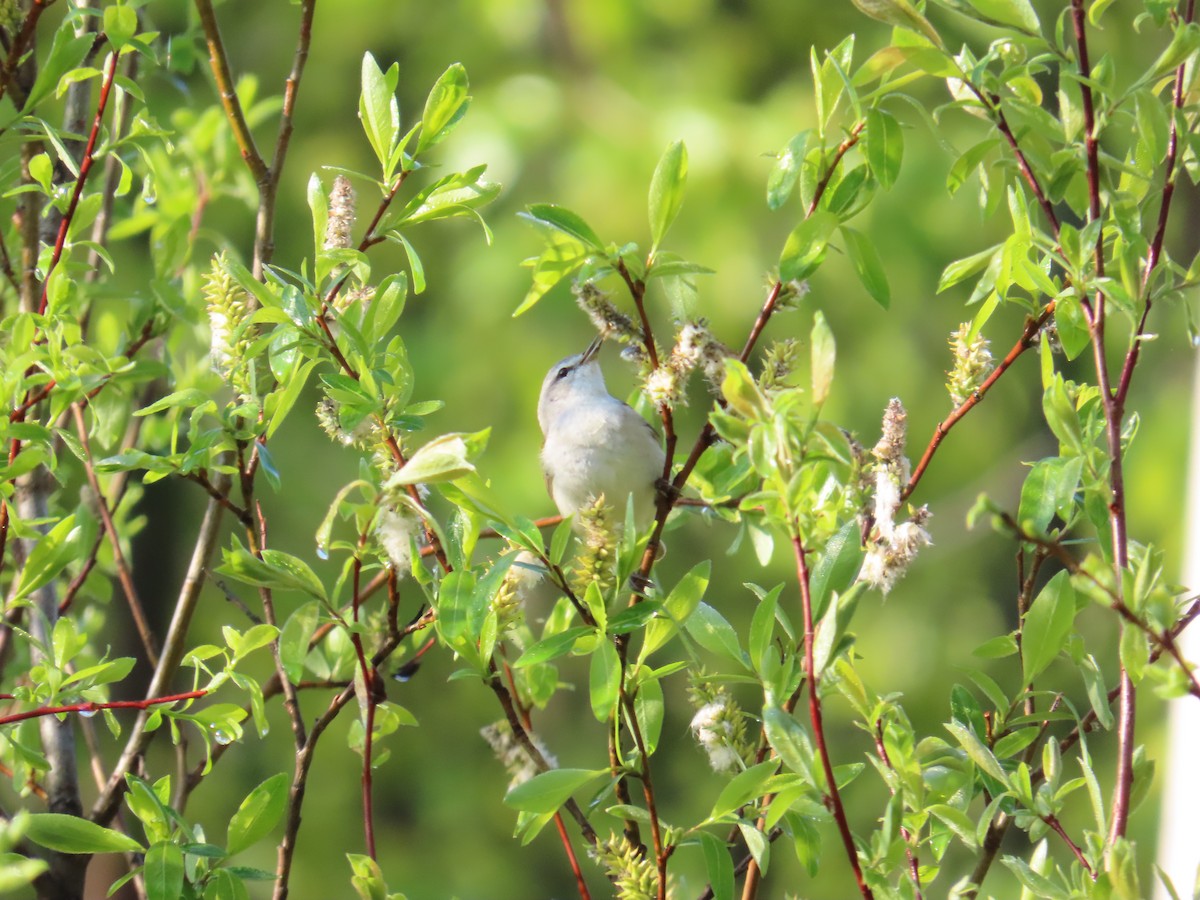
(574, 104)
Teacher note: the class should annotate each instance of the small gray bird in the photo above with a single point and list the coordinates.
(594, 443)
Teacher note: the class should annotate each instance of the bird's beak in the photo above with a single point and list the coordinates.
(592, 349)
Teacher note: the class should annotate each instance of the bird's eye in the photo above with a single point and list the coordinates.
(564, 372)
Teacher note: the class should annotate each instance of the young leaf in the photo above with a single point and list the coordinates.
(444, 107)
(884, 145)
(548, 791)
(557, 218)
(120, 24)
(719, 865)
(977, 751)
(378, 109)
(837, 567)
(666, 191)
(552, 647)
(789, 740)
(605, 680)
(258, 814)
(824, 352)
(712, 632)
(48, 557)
(1049, 486)
(444, 458)
(163, 874)
(743, 788)
(677, 608)
(1047, 625)
(867, 265)
(901, 14)
(786, 171)
(72, 834)
(805, 247)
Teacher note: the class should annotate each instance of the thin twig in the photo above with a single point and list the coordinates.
(124, 573)
(85, 168)
(833, 797)
(90, 708)
(219, 62)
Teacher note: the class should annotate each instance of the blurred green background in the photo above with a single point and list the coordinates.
(573, 104)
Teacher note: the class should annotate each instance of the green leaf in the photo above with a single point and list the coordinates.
(1135, 651)
(789, 740)
(677, 608)
(1097, 691)
(1049, 487)
(378, 109)
(884, 146)
(824, 353)
(804, 250)
(66, 52)
(719, 866)
(49, 556)
(444, 107)
(666, 191)
(958, 822)
(563, 220)
(901, 14)
(1184, 42)
(444, 458)
(120, 24)
(276, 570)
(71, 834)
(294, 638)
(1016, 741)
(258, 814)
(743, 788)
(1016, 13)
(867, 265)
(648, 706)
(977, 751)
(997, 647)
(163, 872)
(710, 630)
(604, 681)
(561, 258)
(294, 573)
(552, 647)
(837, 568)
(1073, 332)
(1047, 625)
(548, 791)
(786, 171)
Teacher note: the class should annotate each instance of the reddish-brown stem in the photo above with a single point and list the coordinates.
(124, 574)
(1056, 827)
(843, 148)
(580, 884)
(914, 868)
(219, 62)
(1154, 253)
(1032, 327)
(368, 803)
(96, 707)
(85, 168)
(833, 797)
(992, 105)
(662, 853)
(522, 735)
(370, 701)
(1113, 415)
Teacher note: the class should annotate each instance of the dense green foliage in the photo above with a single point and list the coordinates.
(208, 239)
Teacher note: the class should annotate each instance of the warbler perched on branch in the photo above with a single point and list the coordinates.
(594, 443)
